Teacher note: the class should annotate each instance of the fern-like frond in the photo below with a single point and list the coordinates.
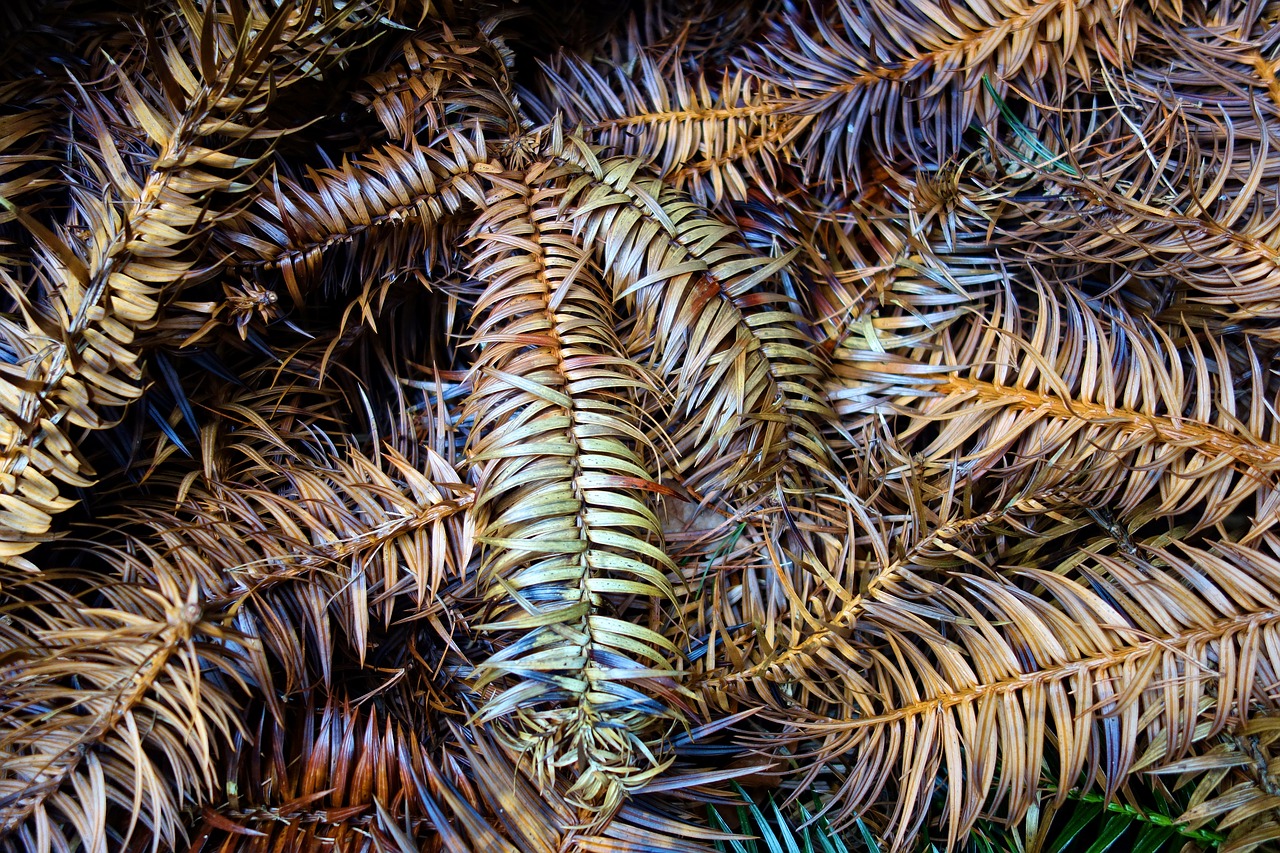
(295, 226)
(562, 507)
(311, 548)
(336, 777)
(1236, 784)
(1189, 201)
(92, 295)
(1113, 406)
(933, 553)
(717, 138)
(909, 76)
(469, 73)
(1164, 646)
(115, 701)
(747, 380)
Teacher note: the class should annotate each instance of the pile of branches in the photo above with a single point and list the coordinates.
(445, 425)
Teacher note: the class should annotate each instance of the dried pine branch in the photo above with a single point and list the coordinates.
(468, 72)
(562, 506)
(707, 320)
(1123, 656)
(717, 138)
(1237, 781)
(116, 704)
(389, 186)
(75, 358)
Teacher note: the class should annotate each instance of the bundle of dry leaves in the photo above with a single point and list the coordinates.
(445, 425)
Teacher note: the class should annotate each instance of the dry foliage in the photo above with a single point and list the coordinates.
(444, 425)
